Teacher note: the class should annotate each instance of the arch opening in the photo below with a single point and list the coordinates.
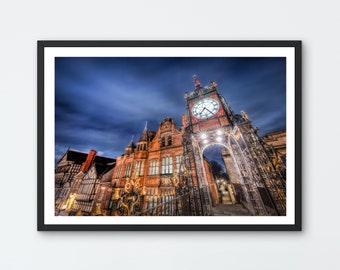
(216, 172)
(213, 153)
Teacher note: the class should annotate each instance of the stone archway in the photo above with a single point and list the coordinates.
(235, 163)
(217, 155)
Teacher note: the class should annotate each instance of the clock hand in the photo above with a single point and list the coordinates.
(208, 110)
(202, 110)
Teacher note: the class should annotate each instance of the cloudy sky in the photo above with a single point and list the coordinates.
(100, 103)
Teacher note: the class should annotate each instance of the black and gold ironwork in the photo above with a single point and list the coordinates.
(127, 201)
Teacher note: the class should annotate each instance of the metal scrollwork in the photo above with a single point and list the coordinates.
(128, 200)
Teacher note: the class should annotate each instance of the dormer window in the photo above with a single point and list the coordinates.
(169, 140)
(166, 140)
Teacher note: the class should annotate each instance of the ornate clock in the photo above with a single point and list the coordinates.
(205, 108)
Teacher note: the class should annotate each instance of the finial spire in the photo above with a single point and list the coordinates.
(130, 147)
(131, 142)
(144, 136)
(196, 81)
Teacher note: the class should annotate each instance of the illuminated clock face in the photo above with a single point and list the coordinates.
(205, 108)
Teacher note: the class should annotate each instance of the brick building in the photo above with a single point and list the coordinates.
(154, 163)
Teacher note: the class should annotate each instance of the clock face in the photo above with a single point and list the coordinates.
(205, 108)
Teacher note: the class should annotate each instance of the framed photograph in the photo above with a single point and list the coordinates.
(169, 135)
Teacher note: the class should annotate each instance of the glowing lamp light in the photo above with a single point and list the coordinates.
(205, 141)
(219, 132)
(204, 136)
(219, 139)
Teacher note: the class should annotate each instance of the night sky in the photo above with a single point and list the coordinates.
(101, 102)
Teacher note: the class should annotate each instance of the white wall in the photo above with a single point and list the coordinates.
(316, 23)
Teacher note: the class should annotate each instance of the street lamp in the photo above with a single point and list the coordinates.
(203, 136)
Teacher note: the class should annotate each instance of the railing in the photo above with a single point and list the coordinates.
(188, 204)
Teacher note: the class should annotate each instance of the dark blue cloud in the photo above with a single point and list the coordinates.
(101, 103)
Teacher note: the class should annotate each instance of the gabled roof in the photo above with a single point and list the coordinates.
(104, 160)
(106, 175)
(103, 172)
(79, 157)
(102, 168)
(76, 157)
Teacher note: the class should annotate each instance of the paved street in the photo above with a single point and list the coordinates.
(230, 210)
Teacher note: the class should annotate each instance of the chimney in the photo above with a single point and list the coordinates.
(89, 161)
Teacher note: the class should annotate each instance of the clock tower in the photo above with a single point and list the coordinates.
(206, 108)
(251, 174)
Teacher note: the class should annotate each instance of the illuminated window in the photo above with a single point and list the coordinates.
(166, 165)
(153, 167)
(178, 163)
(139, 167)
(127, 170)
(118, 170)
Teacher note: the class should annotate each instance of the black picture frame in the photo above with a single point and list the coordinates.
(44, 79)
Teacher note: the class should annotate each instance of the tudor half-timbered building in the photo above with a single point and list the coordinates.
(71, 170)
(94, 192)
